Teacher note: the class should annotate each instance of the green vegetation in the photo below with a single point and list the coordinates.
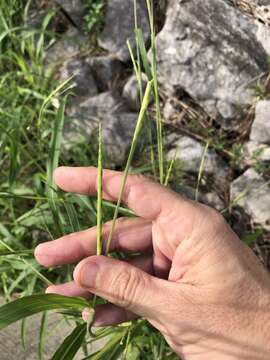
(32, 105)
(33, 210)
(94, 20)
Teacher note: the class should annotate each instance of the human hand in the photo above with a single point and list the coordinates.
(195, 280)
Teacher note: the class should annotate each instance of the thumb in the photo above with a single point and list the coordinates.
(124, 285)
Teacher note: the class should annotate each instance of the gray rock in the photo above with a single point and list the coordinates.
(260, 131)
(213, 200)
(118, 125)
(252, 193)
(119, 26)
(83, 79)
(107, 70)
(255, 152)
(107, 102)
(213, 52)
(75, 9)
(168, 110)
(68, 46)
(190, 152)
(131, 91)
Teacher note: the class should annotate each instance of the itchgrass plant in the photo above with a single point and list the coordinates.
(32, 114)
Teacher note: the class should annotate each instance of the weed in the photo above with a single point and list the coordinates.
(94, 19)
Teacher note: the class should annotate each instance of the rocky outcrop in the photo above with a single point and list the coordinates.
(119, 26)
(118, 125)
(214, 52)
(131, 91)
(68, 46)
(260, 131)
(107, 71)
(191, 154)
(75, 10)
(251, 192)
(81, 76)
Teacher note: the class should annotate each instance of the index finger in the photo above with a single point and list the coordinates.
(147, 199)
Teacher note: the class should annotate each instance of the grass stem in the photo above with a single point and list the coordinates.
(137, 131)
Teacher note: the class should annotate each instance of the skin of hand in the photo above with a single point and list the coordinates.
(195, 281)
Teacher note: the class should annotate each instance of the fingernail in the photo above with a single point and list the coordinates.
(87, 275)
(85, 314)
(49, 290)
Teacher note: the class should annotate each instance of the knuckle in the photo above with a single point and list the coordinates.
(139, 178)
(121, 221)
(127, 285)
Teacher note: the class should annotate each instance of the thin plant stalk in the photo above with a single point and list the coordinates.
(39, 275)
(170, 169)
(137, 131)
(91, 309)
(159, 125)
(99, 192)
(200, 175)
(137, 70)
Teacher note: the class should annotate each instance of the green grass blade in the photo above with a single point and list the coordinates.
(17, 253)
(55, 147)
(137, 131)
(159, 124)
(30, 305)
(170, 169)
(200, 175)
(62, 87)
(34, 270)
(71, 344)
(143, 53)
(53, 161)
(42, 334)
(72, 217)
(23, 333)
(107, 350)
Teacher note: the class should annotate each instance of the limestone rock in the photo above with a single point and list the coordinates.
(83, 79)
(75, 9)
(107, 70)
(131, 91)
(68, 46)
(117, 122)
(260, 131)
(213, 200)
(252, 193)
(213, 52)
(255, 152)
(119, 26)
(190, 152)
